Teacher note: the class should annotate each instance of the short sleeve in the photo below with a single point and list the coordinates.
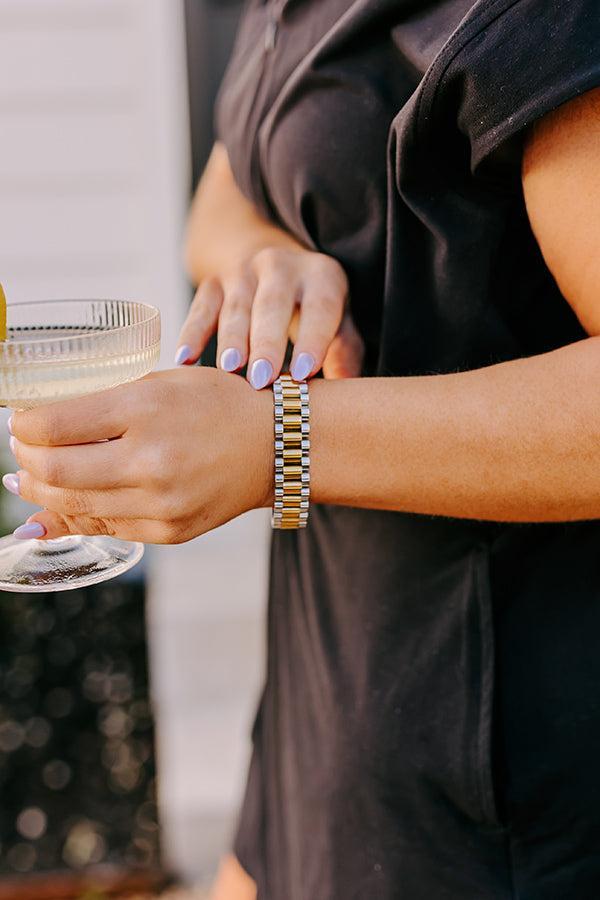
(509, 63)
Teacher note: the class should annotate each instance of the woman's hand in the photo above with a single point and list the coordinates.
(160, 460)
(279, 293)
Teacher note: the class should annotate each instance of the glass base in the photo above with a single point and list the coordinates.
(65, 563)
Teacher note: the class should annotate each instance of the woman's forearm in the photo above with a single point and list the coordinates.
(518, 441)
(224, 228)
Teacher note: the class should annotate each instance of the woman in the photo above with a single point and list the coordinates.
(411, 190)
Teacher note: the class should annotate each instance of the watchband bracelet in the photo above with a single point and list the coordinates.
(292, 449)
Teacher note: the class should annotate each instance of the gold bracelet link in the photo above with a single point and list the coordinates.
(292, 453)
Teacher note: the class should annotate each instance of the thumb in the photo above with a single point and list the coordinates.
(346, 352)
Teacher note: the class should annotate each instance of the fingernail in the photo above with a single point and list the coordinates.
(303, 366)
(12, 443)
(9, 425)
(11, 483)
(28, 531)
(183, 354)
(261, 373)
(231, 359)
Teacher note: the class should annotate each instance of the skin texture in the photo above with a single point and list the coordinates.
(168, 463)
(259, 286)
(191, 448)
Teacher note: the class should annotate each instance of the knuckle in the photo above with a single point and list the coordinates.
(159, 395)
(267, 259)
(50, 470)
(330, 267)
(331, 304)
(273, 289)
(109, 527)
(241, 278)
(236, 305)
(157, 466)
(331, 285)
(172, 531)
(90, 526)
(47, 426)
(75, 503)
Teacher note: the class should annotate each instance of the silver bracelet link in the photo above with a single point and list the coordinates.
(292, 453)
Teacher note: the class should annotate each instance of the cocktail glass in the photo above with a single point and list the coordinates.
(56, 350)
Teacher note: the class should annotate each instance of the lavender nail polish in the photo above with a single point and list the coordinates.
(303, 366)
(11, 483)
(28, 531)
(9, 425)
(183, 354)
(260, 374)
(231, 359)
(12, 443)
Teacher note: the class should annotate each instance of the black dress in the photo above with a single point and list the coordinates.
(430, 725)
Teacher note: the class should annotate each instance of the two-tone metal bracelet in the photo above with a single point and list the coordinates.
(292, 453)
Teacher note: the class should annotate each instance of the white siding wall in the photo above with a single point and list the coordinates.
(93, 151)
(94, 170)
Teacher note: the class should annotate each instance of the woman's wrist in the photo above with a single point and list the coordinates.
(261, 464)
(260, 419)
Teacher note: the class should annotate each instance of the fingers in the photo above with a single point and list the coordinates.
(254, 310)
(96, 417)
(234, 321)
(321, 314)
(201, 322)
(273, 307)
(49, 525)
(346, 353)
(95, 466)
(117, 503)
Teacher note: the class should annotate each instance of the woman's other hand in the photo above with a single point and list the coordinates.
(160, 460)
(279, 293)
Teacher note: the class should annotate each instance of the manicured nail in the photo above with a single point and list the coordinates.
(11, 483)
(261, 373)
(28, 531)
(183, 354)
(9, 425)
(231, 359)
(303, 366)
(12, 443)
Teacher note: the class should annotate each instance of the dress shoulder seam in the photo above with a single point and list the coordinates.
(467, 31)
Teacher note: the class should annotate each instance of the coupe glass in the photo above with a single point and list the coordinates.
(57, 350)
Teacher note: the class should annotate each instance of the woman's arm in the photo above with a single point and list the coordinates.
(561, 182)
(519, 441)
(224, 228)
(516, 441)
